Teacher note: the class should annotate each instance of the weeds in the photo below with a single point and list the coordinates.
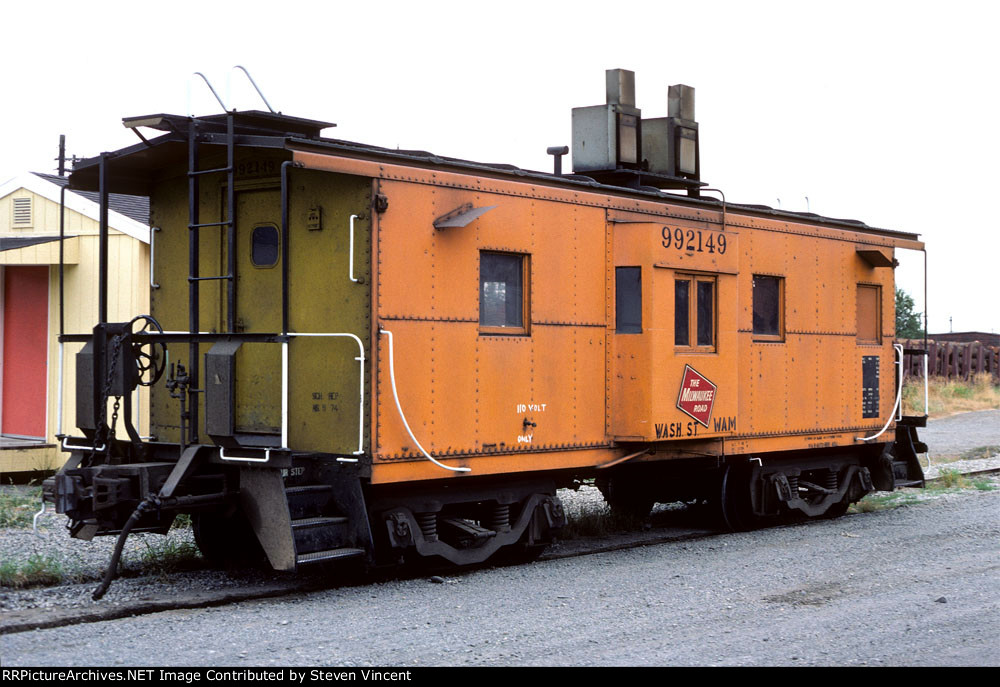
(168, 555)
(949, 479)
(949, 396)
(18, 505)
(876, 502)
(596, 521)
(35, 571)
(984, 485)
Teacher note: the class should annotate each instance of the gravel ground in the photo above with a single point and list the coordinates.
(908, 586)
(951, 436)
(155, 565)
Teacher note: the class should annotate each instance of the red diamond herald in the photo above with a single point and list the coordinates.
(697, 395)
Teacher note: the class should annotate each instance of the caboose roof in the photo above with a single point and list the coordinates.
(135, 169)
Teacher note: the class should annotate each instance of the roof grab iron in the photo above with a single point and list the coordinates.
(208, 83)
(229, 83)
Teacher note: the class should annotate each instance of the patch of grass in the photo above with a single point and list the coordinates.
(947, 397)
(597, 521)
(18, 505)
(167, 555)
(949, 479)
(36, 570)
(883, 501)
(984, 485)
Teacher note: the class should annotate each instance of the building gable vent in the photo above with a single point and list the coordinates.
(22, 212)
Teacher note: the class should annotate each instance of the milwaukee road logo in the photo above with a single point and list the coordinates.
(697, 396)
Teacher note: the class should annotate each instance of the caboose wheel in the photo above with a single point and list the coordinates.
(226, 541)
(627, 497)
(735, 508)
(837, 509)
(519, 553)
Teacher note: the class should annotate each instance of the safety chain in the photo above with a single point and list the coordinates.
(116, 347)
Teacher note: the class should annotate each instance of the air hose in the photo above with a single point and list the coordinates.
(146, 505)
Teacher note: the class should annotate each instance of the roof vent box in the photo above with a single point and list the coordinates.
(670, 143)
(609, 137)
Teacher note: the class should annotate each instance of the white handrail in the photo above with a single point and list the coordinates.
(284, 394)
(395, 394)
(350, 254)
(66, 446)
(899, 395)
(248, 459)
(59, 391)
(927, 402)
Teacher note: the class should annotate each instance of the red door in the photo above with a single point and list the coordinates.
(25, 349)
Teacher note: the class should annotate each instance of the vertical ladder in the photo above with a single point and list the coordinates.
(195, 225)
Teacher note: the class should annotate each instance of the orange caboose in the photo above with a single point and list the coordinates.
(375, 352)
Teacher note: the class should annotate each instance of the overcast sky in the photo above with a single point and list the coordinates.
(879, 111)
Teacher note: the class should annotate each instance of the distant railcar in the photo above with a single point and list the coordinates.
(359, 353)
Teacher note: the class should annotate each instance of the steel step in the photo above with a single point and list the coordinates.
(308, 489)
(329, 555)
(308, 501)
(320, 533)
(318, 522)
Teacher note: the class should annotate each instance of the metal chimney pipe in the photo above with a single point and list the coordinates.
(620, 87)
(680, 102)
(557, 152)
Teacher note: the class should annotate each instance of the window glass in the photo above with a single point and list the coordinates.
(706, 313)
(767, 305)
(682, 289)
(694, 312)
(628, 300)
(264, 246)
(501, 293)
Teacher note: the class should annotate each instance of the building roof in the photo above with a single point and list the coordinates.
(136, 207)
(991, 339)
(126, 213)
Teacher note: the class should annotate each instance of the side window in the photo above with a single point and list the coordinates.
(869, 314)
(768, 308)
(694, 312)
(628, 300)
(503, 293)
(264, 245)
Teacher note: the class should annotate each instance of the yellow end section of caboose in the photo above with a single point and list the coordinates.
(329, 313)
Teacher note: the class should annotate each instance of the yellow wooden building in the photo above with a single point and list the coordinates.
(37, 400)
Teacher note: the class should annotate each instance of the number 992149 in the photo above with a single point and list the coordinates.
(694, 240)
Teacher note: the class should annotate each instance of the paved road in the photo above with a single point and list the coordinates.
(911, 586)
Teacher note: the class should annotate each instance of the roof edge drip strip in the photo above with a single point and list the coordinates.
(310, 152)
